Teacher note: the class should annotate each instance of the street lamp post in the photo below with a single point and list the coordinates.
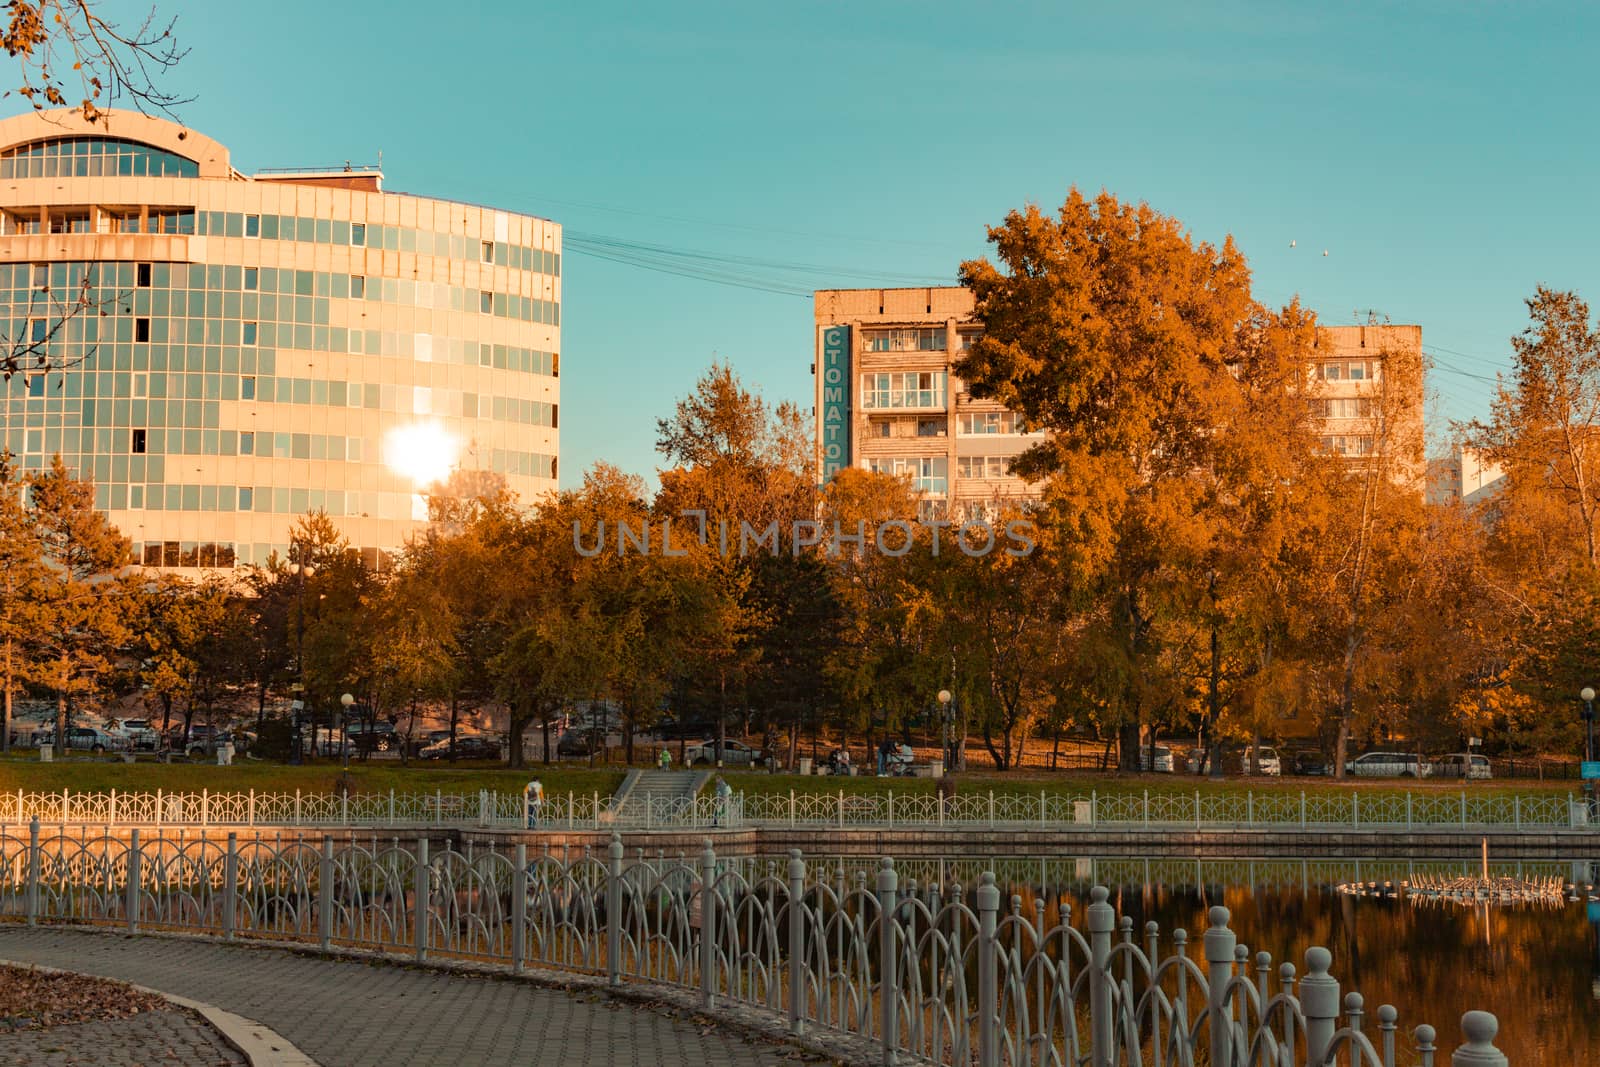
(296, 708)
(344, 728)
(301, 573)
(1586, 694)
(945, 698)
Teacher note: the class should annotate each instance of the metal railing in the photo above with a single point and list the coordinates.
(1434, 809)
(250, 808)
(1197, 810)
(931, 973)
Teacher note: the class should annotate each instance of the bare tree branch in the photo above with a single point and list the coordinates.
(110, 63)
(33, 350)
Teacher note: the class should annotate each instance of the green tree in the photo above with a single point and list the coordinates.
(83, 609)
(24, 580)
(1111, 328)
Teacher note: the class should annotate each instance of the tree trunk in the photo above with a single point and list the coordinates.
(1128, 745)
(1347, 701)
(61, 717)
(5, 723)
(1214, 704)
(455, 715)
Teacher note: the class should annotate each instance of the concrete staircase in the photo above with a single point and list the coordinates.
(655, 795)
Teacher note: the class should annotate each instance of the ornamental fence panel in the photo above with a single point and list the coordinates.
(1473, 808)
(929, 971)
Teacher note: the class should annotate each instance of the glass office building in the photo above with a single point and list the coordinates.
(258, 347)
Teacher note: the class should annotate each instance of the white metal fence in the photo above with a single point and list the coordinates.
(1198, 810)
(485, 808)
(933, 973)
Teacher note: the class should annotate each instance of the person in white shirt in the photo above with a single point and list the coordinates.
(533, 802)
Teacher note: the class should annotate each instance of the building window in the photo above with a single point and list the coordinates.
(252, 225)
(141, 330)
(36, 385)
(142, 276)
(247, 442)
(932, 427)
(38, 331)
(979, 423)
(138, 442)
(488, 251)
(909, 389)
(486, 302)
(988, 467)
(248, 334)
(917, 339)
(358, 233)
(41, 275)
(252, 279)
(1332, 372)
(247, 498)
(247, 387)
(358, 286)
(966, 338)
(928, 474)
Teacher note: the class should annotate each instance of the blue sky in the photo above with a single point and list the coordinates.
(1442, 153)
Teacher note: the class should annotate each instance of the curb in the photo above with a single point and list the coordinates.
(260, 1046)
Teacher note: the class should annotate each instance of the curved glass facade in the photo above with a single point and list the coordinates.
(93, 157)
(280, 348)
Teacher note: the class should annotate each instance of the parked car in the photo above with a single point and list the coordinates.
(468, 746)
(575, 744)
(1390, 765)
(733, 752)
(1467, 765)
(672, 729)
(141, 734)
(378, 736)
(1309, 763)
(1162, 762)
(91, 739)
(1266, 761)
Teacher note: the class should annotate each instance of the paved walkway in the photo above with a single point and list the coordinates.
(148, 1039)
(344, 1013)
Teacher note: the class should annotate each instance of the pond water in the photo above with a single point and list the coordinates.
(1536, 966)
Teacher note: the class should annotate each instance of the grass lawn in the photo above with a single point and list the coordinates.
(91, 774)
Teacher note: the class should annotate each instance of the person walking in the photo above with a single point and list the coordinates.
(533, 801)
(664, 759)
(724, 793)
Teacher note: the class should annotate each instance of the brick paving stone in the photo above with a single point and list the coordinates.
(148, 1039)
(345, 1013)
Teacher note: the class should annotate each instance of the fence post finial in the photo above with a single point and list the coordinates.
(1478, 1028)
(1102, 921)
(887, 887)
(987, 899)
(1222, 951)
(708, 926)
(614, 855)
(797, 935)
(1425, 1036)
(1319, 1003)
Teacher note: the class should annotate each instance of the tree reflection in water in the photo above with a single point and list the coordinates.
(1536, 966)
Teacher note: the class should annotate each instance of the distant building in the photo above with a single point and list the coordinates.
(888, 399)
(271, 344)
(1356, 390)
(1464, 475)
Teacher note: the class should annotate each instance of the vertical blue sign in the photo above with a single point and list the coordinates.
(835, 400)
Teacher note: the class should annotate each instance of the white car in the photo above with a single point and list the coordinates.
(1266, 761)
(1390, 765)
(141, 735)
(732, 752)
(1163, 759)
(1462, 765)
